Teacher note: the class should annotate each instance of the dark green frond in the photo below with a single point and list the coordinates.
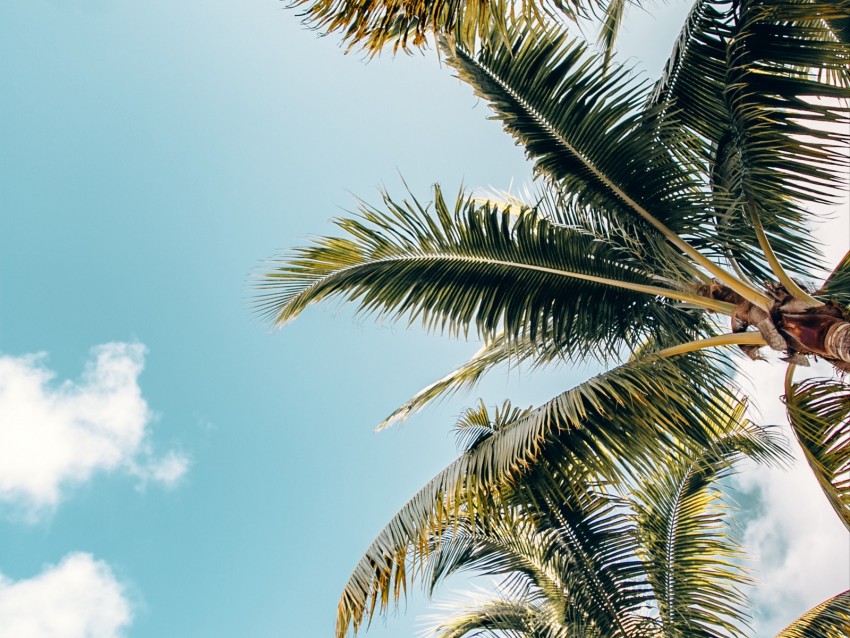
(754, 87)
(580, 122)
(587, 128)
(787, 75)
(515, 274)
(830, 619)
(617, 420)
(819, 412)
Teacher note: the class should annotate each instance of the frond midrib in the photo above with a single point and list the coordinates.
(742, 288)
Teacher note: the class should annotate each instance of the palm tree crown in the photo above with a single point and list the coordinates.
(671, 220)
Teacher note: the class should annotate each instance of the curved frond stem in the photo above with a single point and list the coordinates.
(790, 285)
(789, 379)
(728, 339)
(696, 300)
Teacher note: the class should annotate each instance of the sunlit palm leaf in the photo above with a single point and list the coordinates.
(519, 618)
(470, 265)
(830, 619)
(587, 129)
(819, 412)
(692, 558)
(558, 535)
(581, 123)
(628, 413)
(406, 24)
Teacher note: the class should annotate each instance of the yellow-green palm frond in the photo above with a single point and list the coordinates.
(612, 424)
(406, 24)
(691, 553)
(830, 619)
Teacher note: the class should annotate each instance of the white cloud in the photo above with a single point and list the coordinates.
(78, 598)
(52, 435)
(800, 550)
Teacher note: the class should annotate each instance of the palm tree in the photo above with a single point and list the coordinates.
(663, 213)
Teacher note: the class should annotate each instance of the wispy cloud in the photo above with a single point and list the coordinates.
(78, 598)
(56, 434)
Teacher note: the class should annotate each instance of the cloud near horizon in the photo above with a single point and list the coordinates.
(78, 598)
(53, 435)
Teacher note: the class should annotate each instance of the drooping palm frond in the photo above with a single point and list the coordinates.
(819, 413)
(561, 538)
(473, 265)
(560, 535)
(585, 126)
(618, 419)
(830, 619)
(760, 83)
(691, 553)
(496, 351)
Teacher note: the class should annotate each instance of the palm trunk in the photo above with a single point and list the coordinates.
(819, 333)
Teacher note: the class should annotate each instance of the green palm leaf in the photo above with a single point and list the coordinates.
(830, 619)
(749, 84)
(692, 558)
(819, 412)
(627, 413)
(517, 274)
(587, 129)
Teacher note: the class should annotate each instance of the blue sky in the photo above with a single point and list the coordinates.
(203, 475)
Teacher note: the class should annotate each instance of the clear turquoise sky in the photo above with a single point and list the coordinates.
(152, 155)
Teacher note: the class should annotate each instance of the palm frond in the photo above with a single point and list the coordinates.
(819, 413)
(406, 24)
(497, 271)
(585, 127)
(691, 553)
(751, 87)
(611, 423)
(786, 89)
(497, 350)
(507, 543)
(830, 619)
(559, 535)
